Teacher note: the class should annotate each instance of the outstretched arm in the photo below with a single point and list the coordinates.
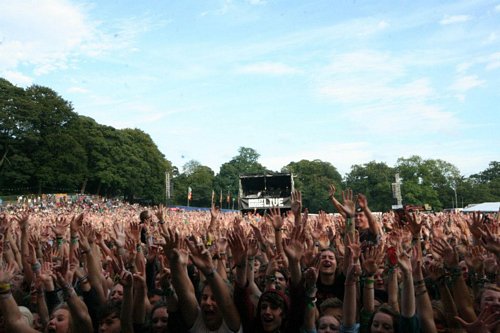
(202, 259)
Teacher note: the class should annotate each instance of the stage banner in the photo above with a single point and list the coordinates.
(260, 203)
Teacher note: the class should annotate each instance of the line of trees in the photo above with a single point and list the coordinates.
(46, 147)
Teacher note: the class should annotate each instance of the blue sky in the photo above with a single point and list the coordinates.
(342, 81)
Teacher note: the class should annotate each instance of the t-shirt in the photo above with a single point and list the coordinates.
(199, 326)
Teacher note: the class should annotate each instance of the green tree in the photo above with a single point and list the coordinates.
(227, 180)
(374, 180)
(312, 178)
(201, 180)
(428, 181)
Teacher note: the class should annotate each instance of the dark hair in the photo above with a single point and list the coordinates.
(144, 215)
(388, 310)
(108, 309)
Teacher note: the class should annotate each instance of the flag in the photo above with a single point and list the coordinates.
(228, 198)
(213, 196)
(190, 193)
(220, 199)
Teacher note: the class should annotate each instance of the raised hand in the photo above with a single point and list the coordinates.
(4, 223)
(446, 252)
(435, 271)
(414, 223)
(296, 206)
(371, 259)
(475, 224)
(362, 201)
(75, 223)
(7, 273)
(487, 320)
(354, 246)
(214, 212)
(238, 245)
(403, 257)
(490, 240)
(348, 204)
(275, 218)
(119, 234)
(201, 257)
(474, 259)
(60, 225)
(161, 213)
(23, 220)
(294, 246)
(135, 232)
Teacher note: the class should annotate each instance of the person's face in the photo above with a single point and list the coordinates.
(464, 268)
(382, 323)
(59, 322)
(360, 220)
(328, 324)
(328, 264)
(116, 293)
(154, 298)
(210, 310)
(271, 316)
(160, 320)
(280, 281)
(110, 324)
(256, 267)
(379, 279)
(490, 298)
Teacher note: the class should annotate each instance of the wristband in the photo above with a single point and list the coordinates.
(59, 241)
(369, 281)
(4, 288)
(74, 240)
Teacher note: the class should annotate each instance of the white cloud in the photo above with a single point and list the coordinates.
(257, 2)
(464, 83)
(223, 10)
(497, 8)
(493, 61)
(17, 78)
(492, 37)
(44, 36)
(452, 19)
(370, 29)
(77, 90)
(272, 68)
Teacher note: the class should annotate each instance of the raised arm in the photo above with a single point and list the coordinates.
(459, 289)
(294, 250)
(183, 287)
(407, 290)
(351, 283)
(81, 321)
(13, 319)
(202, 259)
(363, 204)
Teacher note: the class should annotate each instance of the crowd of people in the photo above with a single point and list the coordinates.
(78, 268)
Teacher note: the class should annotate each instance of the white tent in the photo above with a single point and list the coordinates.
(485, 207)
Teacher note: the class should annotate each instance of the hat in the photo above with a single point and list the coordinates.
(274, 294)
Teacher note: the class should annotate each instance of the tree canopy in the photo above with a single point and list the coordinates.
(46, 147)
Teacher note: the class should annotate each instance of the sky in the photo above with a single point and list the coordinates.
(346, 82)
